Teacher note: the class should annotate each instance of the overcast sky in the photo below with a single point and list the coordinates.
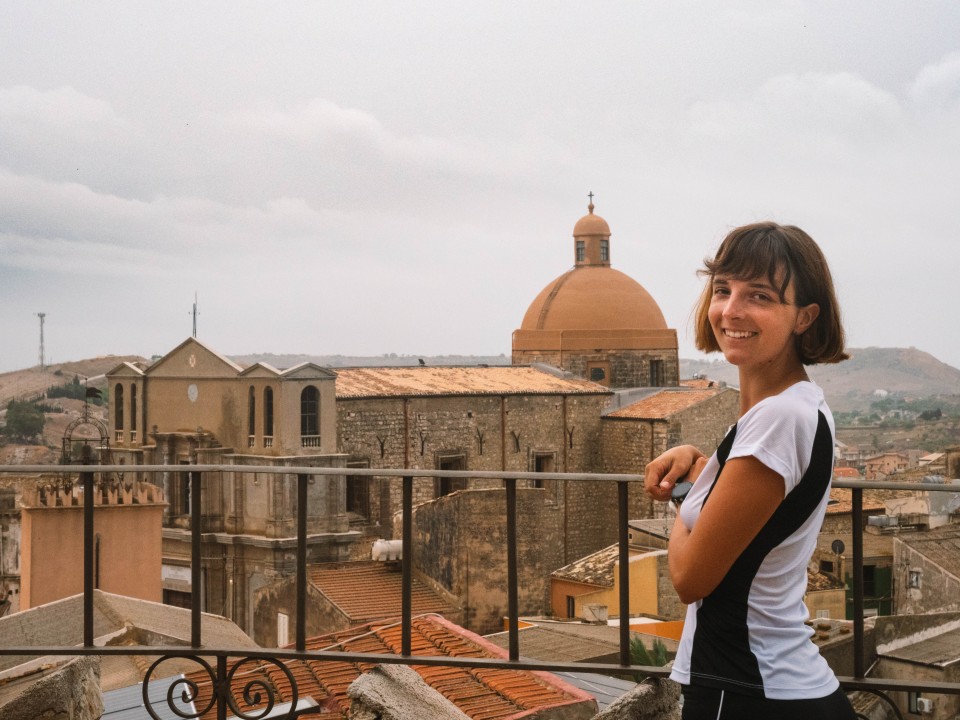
(366, 178)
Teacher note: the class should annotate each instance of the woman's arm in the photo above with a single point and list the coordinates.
(663, 472)
(745, 496)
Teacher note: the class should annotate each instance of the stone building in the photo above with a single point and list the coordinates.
(591, 345)
(927, 571)
(598, 322)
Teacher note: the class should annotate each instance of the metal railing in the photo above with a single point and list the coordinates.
(221, 674)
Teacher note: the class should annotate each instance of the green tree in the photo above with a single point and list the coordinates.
(640, 655)
(24, 421)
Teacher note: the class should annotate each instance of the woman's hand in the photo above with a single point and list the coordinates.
(665, 471)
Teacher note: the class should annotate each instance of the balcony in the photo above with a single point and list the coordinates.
(224, 693)
(310, 441)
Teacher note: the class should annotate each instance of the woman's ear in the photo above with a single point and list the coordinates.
(805, 318)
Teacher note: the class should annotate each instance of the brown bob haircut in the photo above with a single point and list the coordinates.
(781, 254)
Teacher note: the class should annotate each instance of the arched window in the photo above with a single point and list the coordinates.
(310, 417)
(133, 407)
(252, 416)
(118, 407)
(268, 412)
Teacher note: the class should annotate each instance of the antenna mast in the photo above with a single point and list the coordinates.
(195, 312)
(41, 316)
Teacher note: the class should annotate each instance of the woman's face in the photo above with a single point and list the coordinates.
(753, 327)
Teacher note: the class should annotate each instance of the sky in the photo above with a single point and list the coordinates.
(380, 177)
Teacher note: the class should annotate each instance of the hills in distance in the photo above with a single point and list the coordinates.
(851, 385)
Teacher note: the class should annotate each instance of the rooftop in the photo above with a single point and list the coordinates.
(426, 381)
(369, 590)
(595, 569)
(482, 694)
(940, 546)
(665, 403)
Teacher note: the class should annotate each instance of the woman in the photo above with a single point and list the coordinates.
(741, 542)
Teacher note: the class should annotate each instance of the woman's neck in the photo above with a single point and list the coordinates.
(757, 386)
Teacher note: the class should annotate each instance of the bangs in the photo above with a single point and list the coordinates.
(758, 251)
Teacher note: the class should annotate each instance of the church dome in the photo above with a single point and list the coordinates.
(594, 298)
(591, 224)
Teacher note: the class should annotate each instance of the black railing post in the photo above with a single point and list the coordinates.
(513, 605)
(406, 598)
(624, 540)
(301, 562)
(223, 688)
(86, 480)
(858, 659)
(195, 567)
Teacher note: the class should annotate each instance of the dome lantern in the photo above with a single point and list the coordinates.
(591, 240)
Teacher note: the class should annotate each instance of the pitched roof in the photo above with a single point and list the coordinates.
(483, 694)
(421, 381)
(665, 403)
(369, 590)
(940, 650)
(940, 546)
(841, 501)
(597, 568)
(563, 641)
(117, 620)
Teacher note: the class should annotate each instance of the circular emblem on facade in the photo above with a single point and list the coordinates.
(192, 392)
(193, 360)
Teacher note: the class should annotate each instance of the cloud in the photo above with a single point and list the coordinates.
(936, 88)
(835, 108)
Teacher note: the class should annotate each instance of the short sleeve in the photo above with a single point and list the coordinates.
(778, 432)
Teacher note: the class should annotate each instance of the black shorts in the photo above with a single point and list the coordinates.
(704, 703)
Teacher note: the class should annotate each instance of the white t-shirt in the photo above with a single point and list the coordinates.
(748, 635)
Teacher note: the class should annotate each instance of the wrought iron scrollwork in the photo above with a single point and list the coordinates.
(256, 699)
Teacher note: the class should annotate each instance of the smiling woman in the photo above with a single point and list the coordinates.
(740, 560)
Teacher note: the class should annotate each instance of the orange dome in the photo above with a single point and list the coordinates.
(594, 298)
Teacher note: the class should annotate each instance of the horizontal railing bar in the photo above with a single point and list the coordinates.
(423, 473)
(179, 651)
(311, 470)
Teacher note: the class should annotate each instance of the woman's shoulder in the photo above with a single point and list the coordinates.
(802, 399)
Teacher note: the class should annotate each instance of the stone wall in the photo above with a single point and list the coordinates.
(460, 542)
(554, 433)
(70, 692)
(938, 591)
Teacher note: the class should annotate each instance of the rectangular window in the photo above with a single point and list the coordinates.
(358, 490)
(447, 485)
(604, 251)
(869, 581)
(826, 566)
(913, 579)
(571, 606)
(580, 251)
(656, 373)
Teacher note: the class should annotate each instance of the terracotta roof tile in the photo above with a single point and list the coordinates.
(664, 404)
(370, 590)
(841, 502)
(419, 381)
(483, 694)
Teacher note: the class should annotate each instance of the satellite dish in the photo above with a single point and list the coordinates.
(838, 547)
